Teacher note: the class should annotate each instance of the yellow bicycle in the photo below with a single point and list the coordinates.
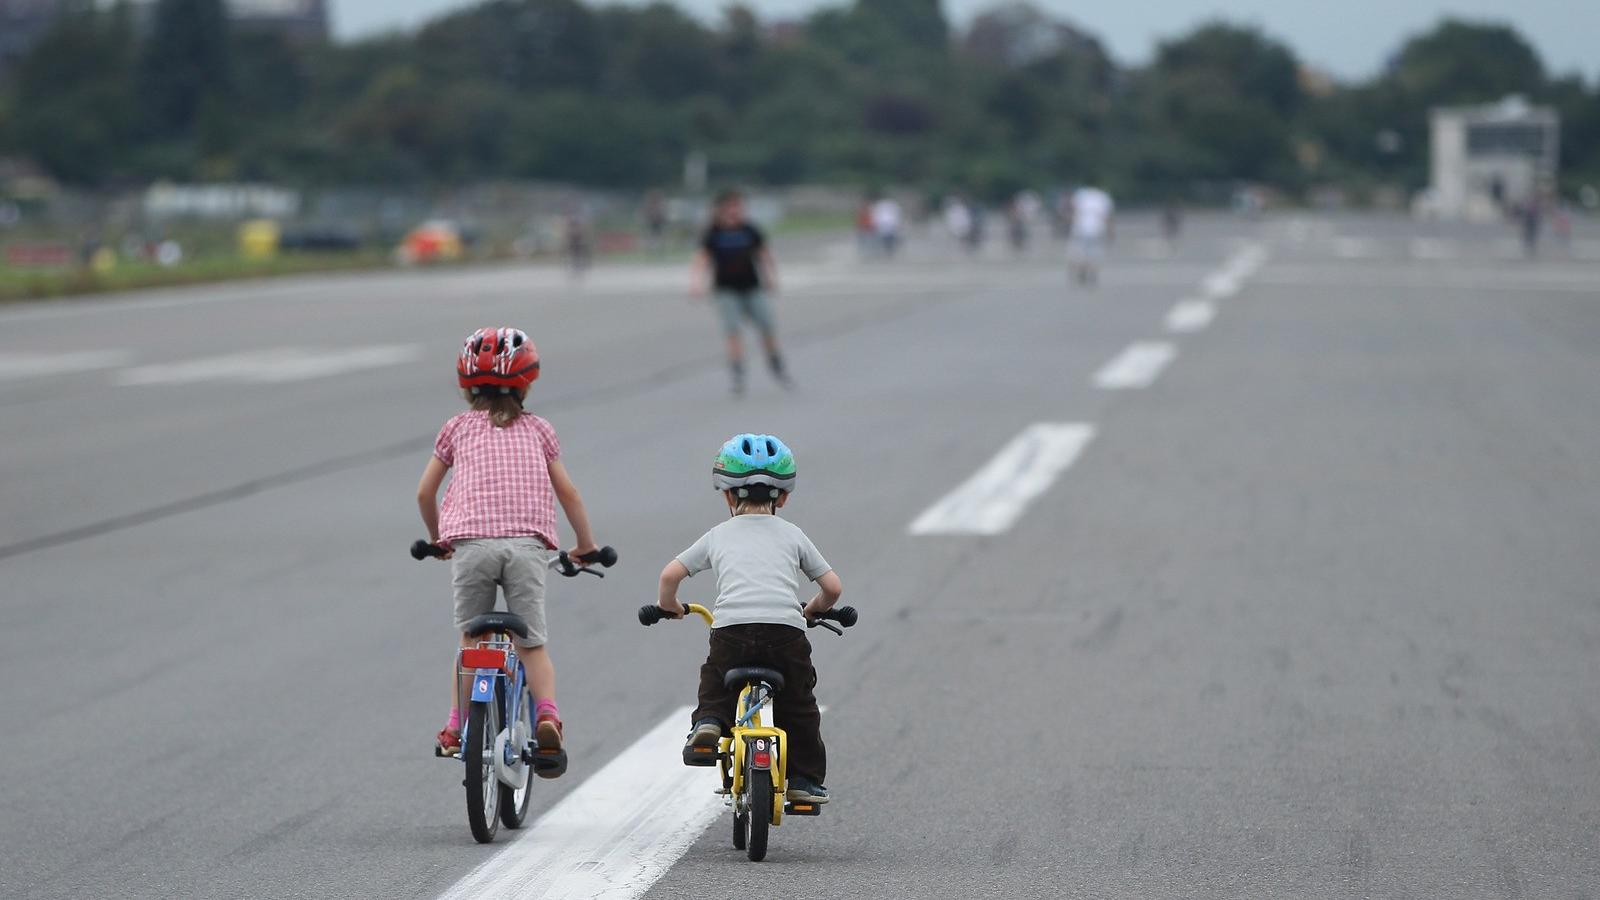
(753, 762)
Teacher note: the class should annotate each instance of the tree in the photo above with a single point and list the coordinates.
(1466, 62)
(73, 110)
(186, 62)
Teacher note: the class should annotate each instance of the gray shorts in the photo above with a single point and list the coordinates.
(517, 565)
(735, 306)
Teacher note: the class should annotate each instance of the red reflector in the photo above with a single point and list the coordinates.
(482, 658)
(763, 758)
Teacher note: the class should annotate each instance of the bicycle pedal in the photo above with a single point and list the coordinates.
(700, 756)
(442, 753)
(549, 763)
(802, 808)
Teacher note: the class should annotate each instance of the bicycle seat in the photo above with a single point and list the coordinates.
(496, 623)
(738, 678)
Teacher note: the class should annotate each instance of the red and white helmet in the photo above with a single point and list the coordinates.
(500, 358)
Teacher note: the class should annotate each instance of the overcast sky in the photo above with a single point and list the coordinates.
(1350, 38)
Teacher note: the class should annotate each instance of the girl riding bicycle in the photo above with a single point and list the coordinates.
(758, 559)
(498, 520)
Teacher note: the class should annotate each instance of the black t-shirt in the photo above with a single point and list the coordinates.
(733, 255)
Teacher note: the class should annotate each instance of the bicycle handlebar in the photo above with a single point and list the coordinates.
(845, 615)
(605, 556)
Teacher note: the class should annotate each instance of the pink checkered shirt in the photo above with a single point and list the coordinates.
(500, 481)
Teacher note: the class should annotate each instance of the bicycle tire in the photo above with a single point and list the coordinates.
(514, 810)
(483, 788)
(758, 782)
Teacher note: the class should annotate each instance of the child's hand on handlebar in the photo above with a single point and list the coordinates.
(673, 607)
(579, 553)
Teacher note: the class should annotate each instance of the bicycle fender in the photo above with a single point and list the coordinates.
(761, 751)
(483, 685)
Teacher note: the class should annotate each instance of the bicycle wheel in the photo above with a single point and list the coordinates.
(483, 788)
(758, 782)
(514, 801)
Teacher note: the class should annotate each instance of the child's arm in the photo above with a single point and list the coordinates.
(428, 498)
(572, 505)
(672, 576)
(700, 274)
(829, 588)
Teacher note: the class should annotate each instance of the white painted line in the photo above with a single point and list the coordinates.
(1137, 366)
(1354, 248)
(272, 366)
(1433, 248)
(1226, 281)
(1191, 315)
(612, 837)
(992, 500)
(41, 365)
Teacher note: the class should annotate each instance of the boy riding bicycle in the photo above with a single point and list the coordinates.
(498, 519)
(758, 559)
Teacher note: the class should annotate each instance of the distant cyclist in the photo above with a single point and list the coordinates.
(1089, 229)
(734, 259)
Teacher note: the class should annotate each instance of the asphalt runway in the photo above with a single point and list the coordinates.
(1297, 597)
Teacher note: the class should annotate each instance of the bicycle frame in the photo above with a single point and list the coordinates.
(490, 663)
(750, 740)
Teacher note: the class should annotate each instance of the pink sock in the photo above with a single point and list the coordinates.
(454, 722)
(543, 707)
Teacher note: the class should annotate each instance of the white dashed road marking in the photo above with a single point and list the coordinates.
(1191, 315)
(1137, 366)
(41, 365)
(272, 366)
(992, 500)
(615, 835)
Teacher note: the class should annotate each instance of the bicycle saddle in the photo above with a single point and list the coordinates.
(496, 622)
(738, 678)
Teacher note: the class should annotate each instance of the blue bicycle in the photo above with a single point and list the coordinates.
(498, 743)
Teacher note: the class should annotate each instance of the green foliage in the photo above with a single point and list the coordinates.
(869, 91)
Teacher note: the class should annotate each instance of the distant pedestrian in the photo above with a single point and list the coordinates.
(733, 259)
(886, 224)
(655, 221)
(1089, 231)
(958, 221)
(866, 241)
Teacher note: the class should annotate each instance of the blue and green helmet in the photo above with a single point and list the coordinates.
(751, 459)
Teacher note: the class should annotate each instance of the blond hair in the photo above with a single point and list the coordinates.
(503, 409)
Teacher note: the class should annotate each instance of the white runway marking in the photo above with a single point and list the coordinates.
(41, 365)
(1433, 248)
(272, 366)
(992, 500)
(1137, 366)
(614, 836)
(1191, 315)
(1354, 248)
(1226, 281)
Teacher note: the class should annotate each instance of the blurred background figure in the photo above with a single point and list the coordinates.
(958, 221)
(866, 241)
(886, 223)
(1171, 221)
(578, 240)
(654, 215)
(1089, 230)
(1021, 215)
(735, 262)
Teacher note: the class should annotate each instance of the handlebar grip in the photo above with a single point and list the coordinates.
(423, 550)
(605, 556)
(649, 615)
(844, 615)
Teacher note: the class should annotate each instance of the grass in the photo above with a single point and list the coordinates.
(44, 283)
(35, 284)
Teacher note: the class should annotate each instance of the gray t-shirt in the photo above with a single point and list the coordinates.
(757, 560)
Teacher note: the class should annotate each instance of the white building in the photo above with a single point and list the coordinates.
(1487, 159)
